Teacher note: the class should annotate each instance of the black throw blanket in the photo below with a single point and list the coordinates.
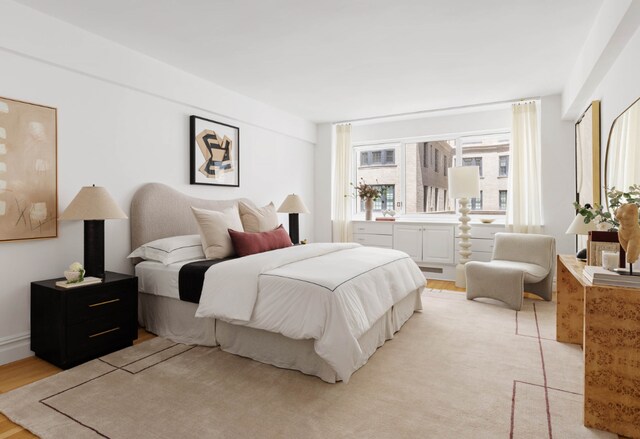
(191, 278)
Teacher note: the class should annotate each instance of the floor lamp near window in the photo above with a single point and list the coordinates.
(464, 183)
(293, 205)
(93, 204)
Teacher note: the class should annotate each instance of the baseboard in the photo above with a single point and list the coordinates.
(15, 347)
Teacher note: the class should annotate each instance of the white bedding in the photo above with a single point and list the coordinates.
(159, 279)
(331, 293)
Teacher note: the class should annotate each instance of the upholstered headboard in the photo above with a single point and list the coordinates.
(159, 211)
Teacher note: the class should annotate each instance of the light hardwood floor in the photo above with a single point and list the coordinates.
(23, 372)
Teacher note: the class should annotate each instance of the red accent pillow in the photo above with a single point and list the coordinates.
(247, 243)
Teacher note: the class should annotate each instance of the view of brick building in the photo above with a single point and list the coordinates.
(425, 170)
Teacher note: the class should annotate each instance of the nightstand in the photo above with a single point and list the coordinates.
(72, 325)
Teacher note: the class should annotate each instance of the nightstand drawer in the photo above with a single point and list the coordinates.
(97, 335)
(88, 305)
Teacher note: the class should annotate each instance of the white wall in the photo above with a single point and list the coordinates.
(322, 177)
(558, 173)
(618, 89)
(123, 120)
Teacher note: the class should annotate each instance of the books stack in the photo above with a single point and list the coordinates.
(601, 276)
(87, 281)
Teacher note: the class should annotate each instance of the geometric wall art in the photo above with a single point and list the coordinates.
(28, 171)
(214, 153)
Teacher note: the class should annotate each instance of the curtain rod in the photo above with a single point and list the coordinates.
(437, 110)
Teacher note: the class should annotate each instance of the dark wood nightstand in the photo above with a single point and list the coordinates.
(72, 325)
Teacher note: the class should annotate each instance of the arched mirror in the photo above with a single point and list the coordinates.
(622, 161)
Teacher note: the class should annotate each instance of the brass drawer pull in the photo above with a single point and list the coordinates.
(104, 332)
(103, 303)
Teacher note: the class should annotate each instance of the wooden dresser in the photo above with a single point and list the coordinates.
(605, 321)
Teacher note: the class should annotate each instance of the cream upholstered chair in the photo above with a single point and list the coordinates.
(520, 262)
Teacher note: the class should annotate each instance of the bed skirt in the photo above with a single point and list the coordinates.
(174, 319)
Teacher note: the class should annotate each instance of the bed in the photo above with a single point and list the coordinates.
(322, 309)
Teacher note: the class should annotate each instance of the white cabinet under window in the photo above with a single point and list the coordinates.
(482, 236)
(373, 234)
(425, 242)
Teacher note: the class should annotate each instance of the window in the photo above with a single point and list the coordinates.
(378, 157)
(414, 175)
(435, 207)
(425, 164)
(476, 203)
(473, 161)
(386, 200)
(504, 166)
(425, 191)
(503, 200)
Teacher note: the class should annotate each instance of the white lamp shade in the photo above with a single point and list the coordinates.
(464, 182)
(92, 203)
(578, 227)
(293, 204)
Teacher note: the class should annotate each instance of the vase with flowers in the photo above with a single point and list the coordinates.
(368, 194)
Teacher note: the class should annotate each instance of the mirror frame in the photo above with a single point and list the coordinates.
(606, 154)
(595, 174)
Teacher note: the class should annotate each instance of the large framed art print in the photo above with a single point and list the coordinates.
(28, 171)
(215, 153)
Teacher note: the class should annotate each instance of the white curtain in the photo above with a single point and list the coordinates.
(524, 208)
(341, 212)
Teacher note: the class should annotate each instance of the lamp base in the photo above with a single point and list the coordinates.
(94, 248)
(294, 233)
(582, 254)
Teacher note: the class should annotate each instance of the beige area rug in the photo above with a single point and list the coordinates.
(459, 369)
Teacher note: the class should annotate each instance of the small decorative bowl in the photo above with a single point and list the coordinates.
(487, 220)
(72, 276)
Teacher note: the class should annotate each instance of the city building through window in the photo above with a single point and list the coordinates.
(415, 174)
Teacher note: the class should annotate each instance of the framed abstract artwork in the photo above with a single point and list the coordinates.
(215, 153)
(28, 171)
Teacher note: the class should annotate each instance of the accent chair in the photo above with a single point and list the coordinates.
(520, 262)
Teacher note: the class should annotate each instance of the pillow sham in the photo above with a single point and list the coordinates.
(251, 243)
(258, 219)
(213, 226)
(170, 250)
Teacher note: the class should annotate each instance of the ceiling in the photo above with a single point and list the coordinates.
(330, 60)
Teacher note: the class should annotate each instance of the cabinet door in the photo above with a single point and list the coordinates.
(408, 239)
(438, 244)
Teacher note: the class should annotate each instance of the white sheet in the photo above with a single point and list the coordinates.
(159, 279)
(331, 293)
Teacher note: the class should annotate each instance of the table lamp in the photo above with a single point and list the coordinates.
(464, 183)
(93, 204)
(293, 205)
(579, 227)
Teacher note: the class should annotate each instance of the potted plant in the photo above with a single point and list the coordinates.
(369, 194)
(602, 215)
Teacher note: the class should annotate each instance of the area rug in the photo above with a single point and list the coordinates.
(459, 369)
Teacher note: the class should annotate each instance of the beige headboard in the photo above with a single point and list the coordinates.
(158, 211)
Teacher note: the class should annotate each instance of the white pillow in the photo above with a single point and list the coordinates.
(170, 250)
(213, 226)
(258, 219)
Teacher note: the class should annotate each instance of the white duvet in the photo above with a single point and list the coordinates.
(332, 293)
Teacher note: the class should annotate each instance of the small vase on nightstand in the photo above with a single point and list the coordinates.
(368, 207)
